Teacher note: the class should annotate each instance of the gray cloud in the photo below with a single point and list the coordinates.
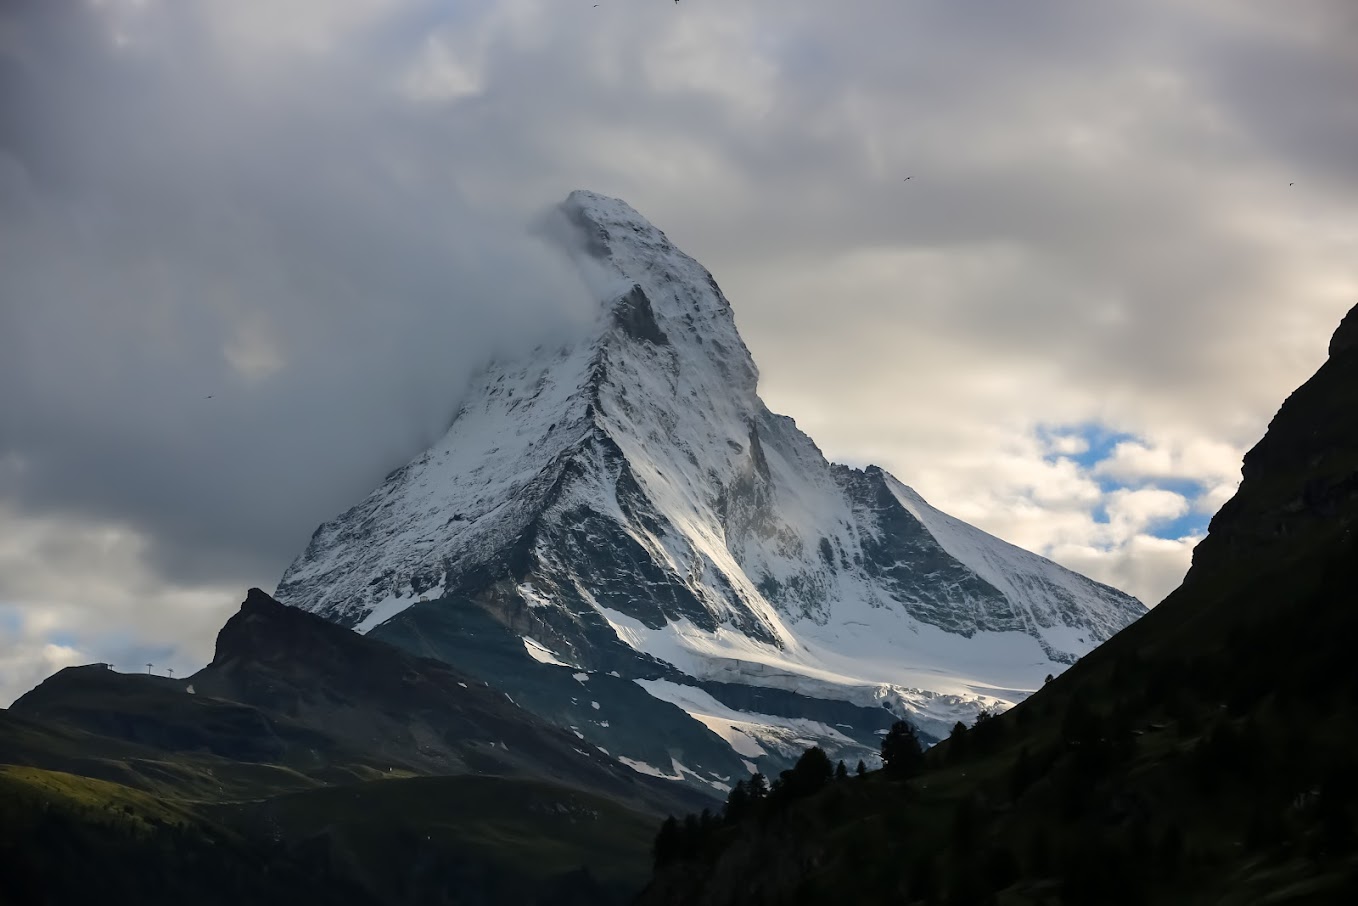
(170, 234)
(315, 214)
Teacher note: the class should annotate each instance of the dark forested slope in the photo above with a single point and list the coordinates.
(1203, 755)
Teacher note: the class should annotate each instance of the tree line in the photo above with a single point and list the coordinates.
(902, 753)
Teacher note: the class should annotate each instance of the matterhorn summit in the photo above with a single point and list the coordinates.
(622, 538)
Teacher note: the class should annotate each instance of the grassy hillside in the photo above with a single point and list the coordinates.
(308, 764)
(69, 839)
(511, 840)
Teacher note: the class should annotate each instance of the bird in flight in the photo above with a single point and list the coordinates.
(208, 397)
(905, 179)
(1291, 184)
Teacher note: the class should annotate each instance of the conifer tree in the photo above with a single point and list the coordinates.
(902, 752)
(811, 772)
(690, 837)
(987, 733)
(957, 743)
(666, 846)
(737, 802)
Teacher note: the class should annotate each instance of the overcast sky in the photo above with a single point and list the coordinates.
(1127, 235)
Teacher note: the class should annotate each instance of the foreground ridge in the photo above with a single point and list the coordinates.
(1203, 755)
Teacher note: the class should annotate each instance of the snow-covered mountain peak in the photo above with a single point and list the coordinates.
(630, 505)
(652, 291)
(608, 213)
(611, 225)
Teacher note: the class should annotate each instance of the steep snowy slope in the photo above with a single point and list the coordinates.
(629, 505)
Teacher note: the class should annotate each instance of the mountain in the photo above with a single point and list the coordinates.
(309, 761)
(1202, 755)
(286, 689)
(620, 534)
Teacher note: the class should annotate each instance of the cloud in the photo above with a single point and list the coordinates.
(1069, 445)
(215, 293)
(26, 661)
(316, 215)
(1153, 566)
(1132, 511)
(1198, 458)
(85, 590)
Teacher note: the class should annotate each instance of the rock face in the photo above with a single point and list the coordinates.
(1345, 338)
(1300, 482)
(627, 505)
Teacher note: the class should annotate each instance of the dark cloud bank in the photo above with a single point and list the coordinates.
(298, 250)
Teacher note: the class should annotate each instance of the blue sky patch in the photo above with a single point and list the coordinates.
(1101, 441)
(1190, 523)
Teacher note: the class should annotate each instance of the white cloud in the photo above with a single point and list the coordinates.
(89, 585)
(1152, 566)
(26, 660)
(1131, 512)
(1197, 459)
(441, 74)
(1212, 499)
(1068, 444)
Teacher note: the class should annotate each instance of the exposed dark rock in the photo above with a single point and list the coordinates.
(632, 313)
(1345, 338)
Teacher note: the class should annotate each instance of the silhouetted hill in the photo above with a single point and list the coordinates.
(310, 763)
(1203, 755)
